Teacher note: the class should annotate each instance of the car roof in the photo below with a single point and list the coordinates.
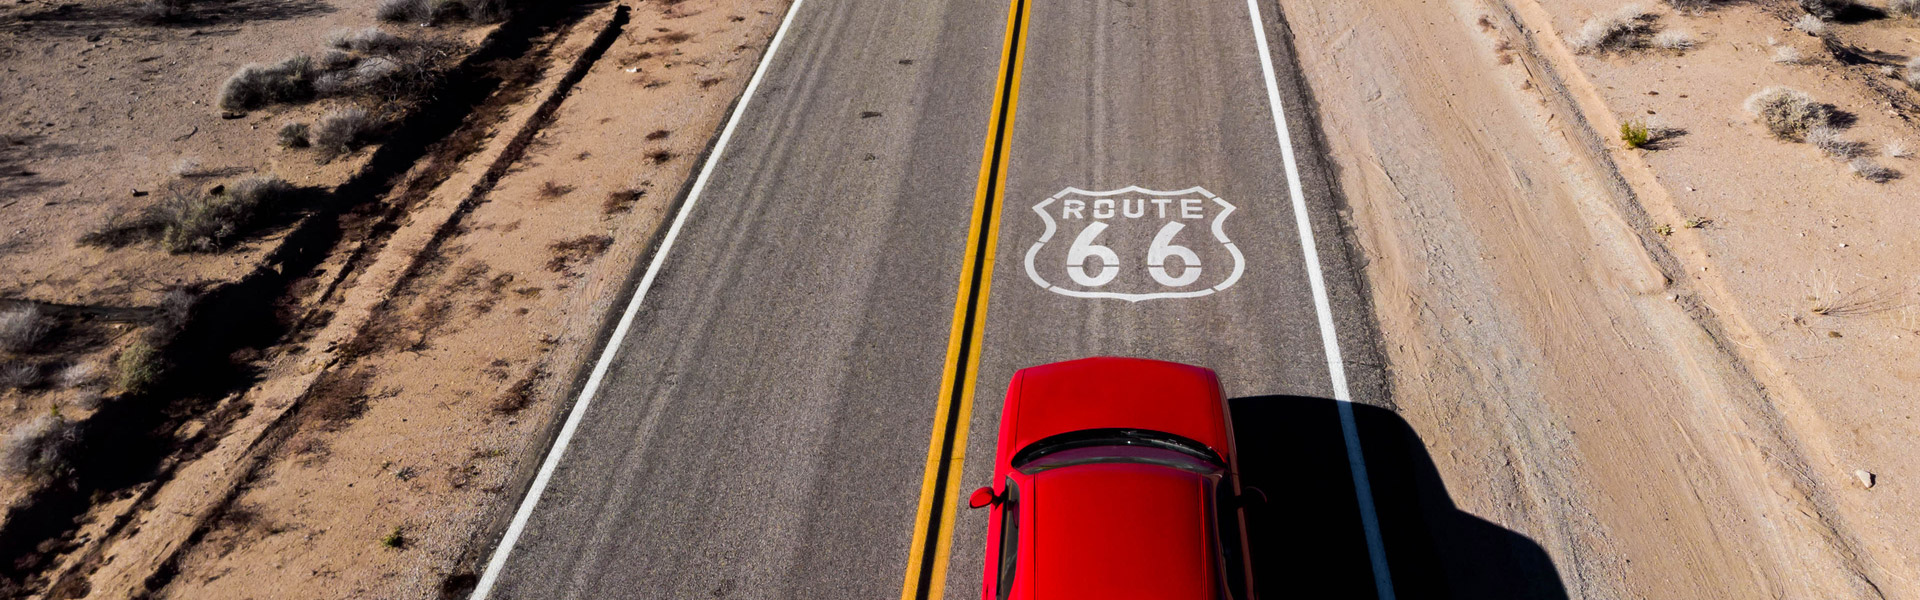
(1106, 392)
(1120, 530)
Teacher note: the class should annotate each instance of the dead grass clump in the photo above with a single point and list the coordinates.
(1826, 10)
(1811, 25)
(1676, 40)
(21, 375)
(159, 11)
(1788, 113)
(403, 11)
(1789, 55)
(209, 223)
(517, 396)
(659, 156)
(78, 374)
(342, 130)
(478, 11)
(1913, 72)
(1692, 6)
(1897, 149)
(1630, 28)
(293, 134)
(1872, 171)
(551, 190)
(38, 448)
(621, 201)
(1904, 8)
(363, 75)
(335, 59)
(1829, 140)
(257, 85)
(658, 134)
(22, 329)
(370, 40)
(568, 253)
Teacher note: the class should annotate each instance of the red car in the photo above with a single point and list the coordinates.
(1114, 479)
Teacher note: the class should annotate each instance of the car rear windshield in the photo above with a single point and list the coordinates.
(1118, 445)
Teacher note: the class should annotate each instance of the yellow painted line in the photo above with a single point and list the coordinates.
(939, 490)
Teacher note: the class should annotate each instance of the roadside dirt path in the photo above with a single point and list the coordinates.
(1572, 372)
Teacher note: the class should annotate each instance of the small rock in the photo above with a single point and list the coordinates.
(138, 193)
(1866, 478)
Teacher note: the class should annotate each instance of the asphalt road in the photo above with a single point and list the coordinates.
(763, 430)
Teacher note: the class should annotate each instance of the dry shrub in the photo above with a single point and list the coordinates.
(1789, 55)
(403, 11)
(554, 189)
(293, 134)
(23, 328)
(1872, 171)
(1692, 6)
(1788, 113)
(77, 375)
(1826, 10)
(160, 11)
(21, 375)
(342, 130)
(1829, 140)
(257, 85)
(1630, 28)
(1903, 8)
(1897, 149)
(621, 201)
(137, 368)
(370, 40)
(1676, 40)
(39, 448)
(568, 253)
(210, 223)
(1811, 25)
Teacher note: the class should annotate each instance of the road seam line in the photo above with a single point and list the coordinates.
(946, 451)
(524, 513)
(1336, 369)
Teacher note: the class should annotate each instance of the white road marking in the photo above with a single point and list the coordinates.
(498, 561)
(1092, 265)
(1363, 489)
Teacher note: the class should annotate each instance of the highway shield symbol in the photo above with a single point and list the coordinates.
(1134, 244)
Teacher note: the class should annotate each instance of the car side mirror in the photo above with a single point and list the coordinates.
(982, 497)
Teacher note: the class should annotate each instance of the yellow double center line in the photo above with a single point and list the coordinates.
(933, 522)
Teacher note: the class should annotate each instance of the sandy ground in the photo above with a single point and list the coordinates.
(1666, 414)
(462, 365)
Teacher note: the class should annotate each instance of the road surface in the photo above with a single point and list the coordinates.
(917, 198)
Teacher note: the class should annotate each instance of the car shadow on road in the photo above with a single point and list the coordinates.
(1306, 540)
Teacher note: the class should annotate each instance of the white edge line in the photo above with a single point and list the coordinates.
(1363, 489)
(498, 561)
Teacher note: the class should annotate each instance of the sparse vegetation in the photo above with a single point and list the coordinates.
(136, 368)
(209, 223)
(1826, 10)
(77, 375)
(342, 130)
(1789, 55)
(1663, 229)
(1698, 222)
(38, 448)
(1897, 149)
(1676, 39)
(1811, 25)
(23, 328)
(20, 375)
(160, 11)
(403, 11)
(1904, 8)
(395, 539)
(1872, 171)
(1635, 134)
(1835, 144)
(370, 40)
(1691, 6)
(659, 156)
(1913, 73)
(257, 85)
(293, 134)
(1629, 28)
(621, 201)
(1788, 113)
(568, 253)
(551, 189)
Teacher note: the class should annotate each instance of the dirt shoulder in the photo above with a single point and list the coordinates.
(421, 340)
(1665, 365)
